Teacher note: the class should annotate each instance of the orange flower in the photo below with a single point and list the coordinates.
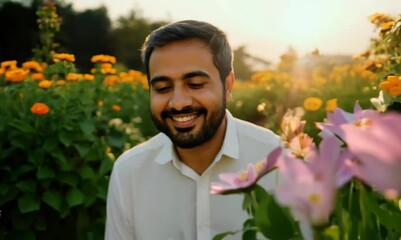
(63, 56)
(45, 84)
(110, 80)
(32, 65)
(37, 76)
(16, 75)
(116, 107)
(392, 85)
(103, 59)
(100, 103)
(39, 108)
(312, 104)
(60, 82)
(386, 26)
(73, 76)
(331, 104)
(12, 64)
(89, 77)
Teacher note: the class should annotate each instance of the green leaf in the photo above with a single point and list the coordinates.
(87, 128)
(105, 167)
(86, 172)
(21, 125)
(82, 149)
(45, 172)
(68, 178)
(75, 197)
(3, 189)
(53, 199)
(271, 218)
(116, 139)
(28, 203)
(50, 144)
(223, 235)
(390, 219)
(40, 224)
(65, 138)
(26, 186)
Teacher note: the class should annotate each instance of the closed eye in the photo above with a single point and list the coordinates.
(196, 85)
(163, 89)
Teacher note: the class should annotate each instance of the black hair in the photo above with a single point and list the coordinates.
(213, 37)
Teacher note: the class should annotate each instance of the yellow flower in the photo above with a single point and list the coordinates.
(39, 108)
(45, 84)
(6, 65)
(331, 104)
(116, 107)
(16, 75)
(89, 77)
(32, 65)
(386, 26)
(103, 59)
(110, 80)
(312, 104)
(100, 103)
(108, 70)
(37, 76)
(60, 82)
(64, 56)
(73, 76)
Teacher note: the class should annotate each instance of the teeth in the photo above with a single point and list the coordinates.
(184, 119)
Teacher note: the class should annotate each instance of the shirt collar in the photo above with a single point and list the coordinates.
(229, 148)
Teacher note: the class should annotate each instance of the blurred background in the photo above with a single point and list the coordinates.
(260, 31)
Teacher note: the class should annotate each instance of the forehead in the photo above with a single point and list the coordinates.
(186, 54)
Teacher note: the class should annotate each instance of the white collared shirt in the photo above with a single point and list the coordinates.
(154, 196)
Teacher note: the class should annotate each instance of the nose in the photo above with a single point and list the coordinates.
(180, 99)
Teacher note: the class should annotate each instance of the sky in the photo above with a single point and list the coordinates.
(268, 27)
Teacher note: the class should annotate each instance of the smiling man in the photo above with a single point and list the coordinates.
(160, 188)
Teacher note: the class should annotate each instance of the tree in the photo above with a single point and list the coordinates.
(129, 36)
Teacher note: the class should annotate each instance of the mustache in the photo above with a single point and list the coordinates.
(187, 110)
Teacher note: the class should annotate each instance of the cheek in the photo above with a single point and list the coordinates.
(157, 104)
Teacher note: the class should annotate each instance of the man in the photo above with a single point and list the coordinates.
(160, 188)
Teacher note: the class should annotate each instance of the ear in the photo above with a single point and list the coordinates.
(229, 83)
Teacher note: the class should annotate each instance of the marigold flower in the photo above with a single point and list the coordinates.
(39, 108)
(32, 65)
(12, 64)
(60, 82)
(100, 103)
(64, 56)
(110, 80)
(108, 70)
(16, 75)
(103, 58)
(73, 76)
(392, 85)
(2, 71)
(331, 104)
(385, 27)
(37, 76)
(89, 77)
(45, 84)
(116, 107)
(312, 104)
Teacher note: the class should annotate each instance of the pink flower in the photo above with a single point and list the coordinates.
(301, 145)
(378, 153)
(309, 186)
(233, 182)
(339, 117)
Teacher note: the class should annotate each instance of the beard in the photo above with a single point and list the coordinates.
(184, 137)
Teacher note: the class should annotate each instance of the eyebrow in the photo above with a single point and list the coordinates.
(198, 73)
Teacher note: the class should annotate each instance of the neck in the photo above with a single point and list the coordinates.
(200, 157)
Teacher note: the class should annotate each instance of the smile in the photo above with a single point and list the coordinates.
(184, 119)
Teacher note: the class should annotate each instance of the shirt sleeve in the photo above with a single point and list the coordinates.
(118, 223)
